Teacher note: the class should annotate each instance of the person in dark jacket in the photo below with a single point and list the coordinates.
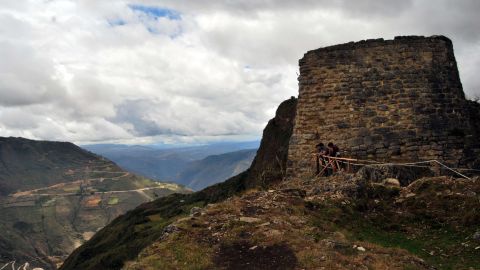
(321, 149)
(333, 150)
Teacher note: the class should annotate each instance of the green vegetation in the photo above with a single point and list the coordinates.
(179, 253)
(113, 200)
(440, 248)
(439, 244)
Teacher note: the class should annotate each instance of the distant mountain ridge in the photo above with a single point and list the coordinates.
(180, 164)
(215, 168)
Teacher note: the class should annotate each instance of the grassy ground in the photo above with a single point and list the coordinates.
(426, 234)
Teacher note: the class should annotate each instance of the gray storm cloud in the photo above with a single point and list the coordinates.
(145, 71)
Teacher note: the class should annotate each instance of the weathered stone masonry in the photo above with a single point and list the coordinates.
(388, 100)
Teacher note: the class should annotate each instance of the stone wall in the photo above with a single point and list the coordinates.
(387, 100)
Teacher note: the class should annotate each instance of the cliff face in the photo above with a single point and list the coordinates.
(388, 100)
(270, 163)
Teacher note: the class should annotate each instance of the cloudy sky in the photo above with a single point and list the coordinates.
(173, 71)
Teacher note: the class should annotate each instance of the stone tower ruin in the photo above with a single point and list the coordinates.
(388, 100)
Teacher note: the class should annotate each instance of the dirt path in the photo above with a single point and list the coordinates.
(60, 185)
(90, 193)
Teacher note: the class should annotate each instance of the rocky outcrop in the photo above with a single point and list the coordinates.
(388, 100)
(270, 163)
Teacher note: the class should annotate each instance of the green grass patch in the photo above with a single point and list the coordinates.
(179, 253)
(417, 237)
(71, 189)
(113, 200)
(440, 248)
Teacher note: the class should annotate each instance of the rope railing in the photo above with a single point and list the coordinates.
(333, 163)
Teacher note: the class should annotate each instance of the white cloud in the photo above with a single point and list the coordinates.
(186, 71)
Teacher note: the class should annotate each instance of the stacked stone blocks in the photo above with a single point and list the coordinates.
(387, 100)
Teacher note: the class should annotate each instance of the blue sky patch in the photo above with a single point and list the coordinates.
(156, 12)
(116, 22)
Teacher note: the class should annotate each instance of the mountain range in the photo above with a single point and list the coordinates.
(193, 166)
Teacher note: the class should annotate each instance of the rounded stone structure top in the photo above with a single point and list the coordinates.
(368, 43)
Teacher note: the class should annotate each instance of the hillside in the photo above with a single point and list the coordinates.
(27, 164)
(214, 169)
(126, 236)
(341, 222)
(55, 196)
(165, 163)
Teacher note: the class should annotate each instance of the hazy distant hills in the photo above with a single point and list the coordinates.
(55, 195)
(216, 168)
(193, 166)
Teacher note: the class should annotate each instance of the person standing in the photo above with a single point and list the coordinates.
(320, 153)
(334, 151)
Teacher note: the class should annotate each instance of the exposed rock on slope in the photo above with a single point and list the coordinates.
(270, 163)
(129, 234)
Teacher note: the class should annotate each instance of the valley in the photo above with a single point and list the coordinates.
(195, 167)
(43, 224)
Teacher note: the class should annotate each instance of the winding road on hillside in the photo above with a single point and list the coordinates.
(31, 194)
(82, 181)
(92, 193)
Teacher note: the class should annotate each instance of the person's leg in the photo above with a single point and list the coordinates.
(325, 166)
(329, 167)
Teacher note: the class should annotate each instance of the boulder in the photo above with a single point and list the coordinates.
(196, 211)
(392, 182)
